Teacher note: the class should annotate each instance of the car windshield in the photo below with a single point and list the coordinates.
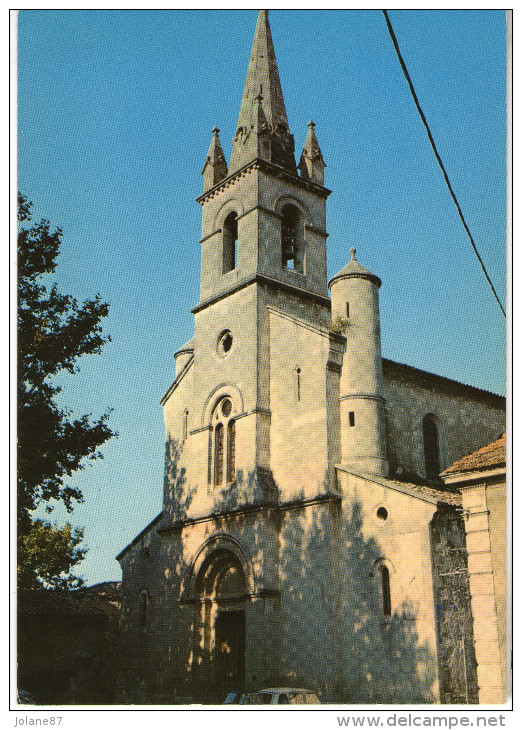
(232, 698)
(262, 698)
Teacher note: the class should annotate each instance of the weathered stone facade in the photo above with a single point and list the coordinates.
(481, 478)
(465, 417)
(285, 553)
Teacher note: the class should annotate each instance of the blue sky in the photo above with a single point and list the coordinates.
(116, 110)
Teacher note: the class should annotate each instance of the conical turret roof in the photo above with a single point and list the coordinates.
(354, 269)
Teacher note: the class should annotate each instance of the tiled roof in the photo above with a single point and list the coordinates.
(422, 491)
(441, 495)
(488, 456)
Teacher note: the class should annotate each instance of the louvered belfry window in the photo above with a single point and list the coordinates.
(230, 243)
(290, 237)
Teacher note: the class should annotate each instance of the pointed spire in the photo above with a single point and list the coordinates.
(312, 165)
(215, 167)
(263, 80)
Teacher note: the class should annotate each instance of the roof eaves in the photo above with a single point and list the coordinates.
(177, 381)
(418, 491)
(139, 535)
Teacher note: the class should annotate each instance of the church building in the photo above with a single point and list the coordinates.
(305, 539)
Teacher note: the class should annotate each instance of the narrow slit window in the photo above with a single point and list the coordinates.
(185, 425)
(143, 609)
(431, 447)
(351, 418)
(385, 590)
(347, 310)
(298, 376)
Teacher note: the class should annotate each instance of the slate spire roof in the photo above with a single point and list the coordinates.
(263, 89)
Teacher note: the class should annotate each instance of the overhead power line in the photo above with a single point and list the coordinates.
(432, 142)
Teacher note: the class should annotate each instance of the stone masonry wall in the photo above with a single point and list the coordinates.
(455, 641)
(467, 419)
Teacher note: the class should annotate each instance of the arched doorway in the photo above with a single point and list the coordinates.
(221, 589)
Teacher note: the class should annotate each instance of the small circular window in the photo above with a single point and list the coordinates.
(382, 514)
(225, 341)
(226, 408)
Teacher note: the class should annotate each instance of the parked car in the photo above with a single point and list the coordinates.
(283, 696)
(25, 698)
(235, 698)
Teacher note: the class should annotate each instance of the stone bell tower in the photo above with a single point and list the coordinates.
(263, 245)
(261, 196)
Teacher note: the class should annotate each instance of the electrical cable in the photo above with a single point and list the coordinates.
(432, 142)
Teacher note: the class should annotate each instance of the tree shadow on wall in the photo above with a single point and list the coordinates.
(324, 626)
(340, 641)
(148, 647)
(177, 492)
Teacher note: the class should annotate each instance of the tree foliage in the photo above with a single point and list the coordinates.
(54, 330)
(47, 555)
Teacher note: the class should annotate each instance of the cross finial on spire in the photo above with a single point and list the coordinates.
(216, 131)
(311, 124)
(352, 254)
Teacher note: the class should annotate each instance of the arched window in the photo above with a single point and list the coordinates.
(143, 605)
(223, 452)
(431, 446)
(218, 454)
(230, 243)
(290, 238)
(385, 589)
(231, 451)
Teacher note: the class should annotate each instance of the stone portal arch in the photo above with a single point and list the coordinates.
(220, 587)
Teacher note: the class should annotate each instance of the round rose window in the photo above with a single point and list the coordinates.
(225, 343)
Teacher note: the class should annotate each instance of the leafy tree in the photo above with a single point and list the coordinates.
(54, 330)
(47, 554)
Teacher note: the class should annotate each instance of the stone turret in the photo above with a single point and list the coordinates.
(215, 167)
(311, 165)
(355, 303)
